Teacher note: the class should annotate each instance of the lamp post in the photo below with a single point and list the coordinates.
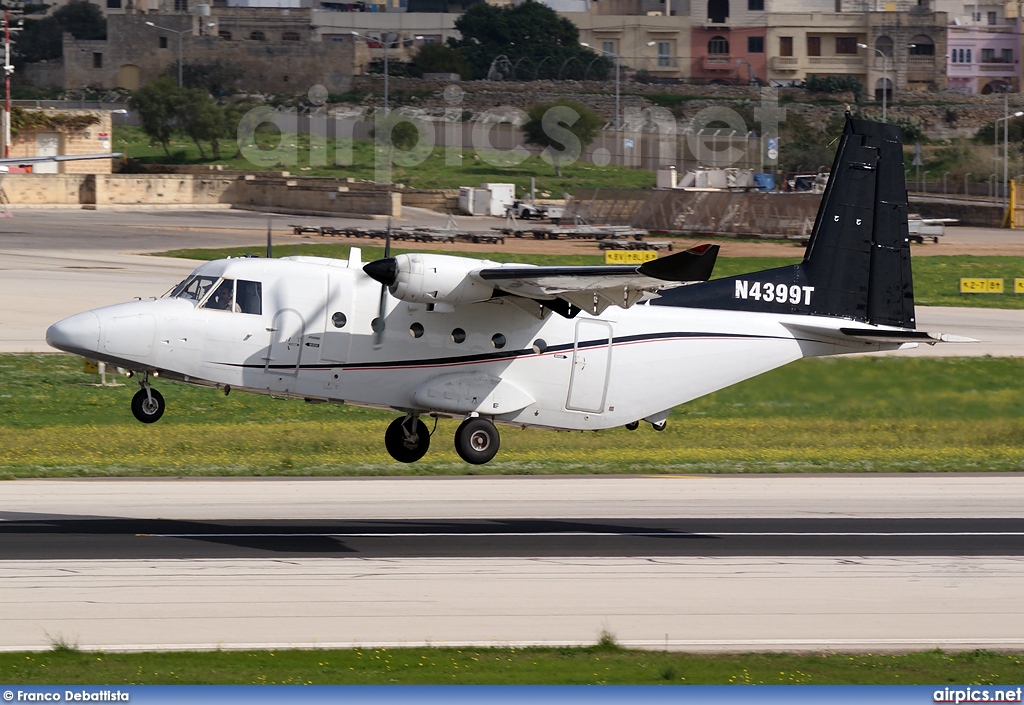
(387, 45)
(1006, 142)
(750, 70)
(618, 114)
(179, 32)
(885, 76)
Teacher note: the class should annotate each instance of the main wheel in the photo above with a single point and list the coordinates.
(146, 410)
(407, 447)
(659, 425)
(633, 425)
(476, 441)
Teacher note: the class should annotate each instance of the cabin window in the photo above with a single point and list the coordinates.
(239, 297)
(339, 319)
(416, 330)
(498, 341)
(458, 336)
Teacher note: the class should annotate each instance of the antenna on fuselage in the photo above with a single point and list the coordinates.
(270, 244)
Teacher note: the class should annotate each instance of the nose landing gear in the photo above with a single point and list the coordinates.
(147, 404)
(407, 439)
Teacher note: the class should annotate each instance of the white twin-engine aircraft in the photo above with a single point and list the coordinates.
(572, 348)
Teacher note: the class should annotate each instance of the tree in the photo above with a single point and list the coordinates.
(438, 58)
(217, 78)
(43, 39)
(157, 104)
(563, 128)
(528, 32)
(200, 118)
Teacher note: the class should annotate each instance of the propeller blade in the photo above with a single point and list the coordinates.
(387, 271)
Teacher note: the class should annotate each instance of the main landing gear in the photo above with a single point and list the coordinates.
(147, 404)
(407, 440)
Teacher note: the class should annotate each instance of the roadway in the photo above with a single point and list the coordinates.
(841, 562)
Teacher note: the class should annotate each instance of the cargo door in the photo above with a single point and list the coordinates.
(591, 364)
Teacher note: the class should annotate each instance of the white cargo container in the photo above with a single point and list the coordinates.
(502, 197)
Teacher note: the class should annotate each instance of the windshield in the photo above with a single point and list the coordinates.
(194, 288)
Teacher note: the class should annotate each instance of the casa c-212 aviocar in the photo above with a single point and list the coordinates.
(574, 348)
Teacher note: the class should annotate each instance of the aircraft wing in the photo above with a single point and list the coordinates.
(595, 288)
(28, 161)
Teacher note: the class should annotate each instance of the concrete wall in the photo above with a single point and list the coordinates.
(294, 196)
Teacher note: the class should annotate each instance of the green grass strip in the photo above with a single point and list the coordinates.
(878, 414)
(604, 664)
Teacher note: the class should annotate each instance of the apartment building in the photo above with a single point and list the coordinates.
(728, 41)
(984, 46)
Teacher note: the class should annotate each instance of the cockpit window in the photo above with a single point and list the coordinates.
(223, 297)
(194, 288)
(239, 297)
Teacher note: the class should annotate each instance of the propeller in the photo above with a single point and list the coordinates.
(385, 271)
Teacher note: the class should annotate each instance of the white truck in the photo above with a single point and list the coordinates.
(527, 211)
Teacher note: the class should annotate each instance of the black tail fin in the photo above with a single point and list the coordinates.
(857, 263)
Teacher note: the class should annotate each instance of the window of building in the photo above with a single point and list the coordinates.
(1007, 56)
(290, 37)
(785, 46)
(952, 56)
(922, 45)
(846, 45)
(885, 45)
(181, 5)
(755, 45)
(988, 56)
(968, 56)
(814, 46)
(163, 42)
(718, 45)
(113, 4)
(97, 60)
(718, 11)
(755, 5)
(991, 17)
(665, 53)
(258, 36)
(608, 47)
(225, 35)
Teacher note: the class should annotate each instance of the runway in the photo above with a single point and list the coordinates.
(840, 563)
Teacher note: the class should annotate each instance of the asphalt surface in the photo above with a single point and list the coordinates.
(132, 539)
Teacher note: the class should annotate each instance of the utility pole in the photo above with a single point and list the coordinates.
(8, 70)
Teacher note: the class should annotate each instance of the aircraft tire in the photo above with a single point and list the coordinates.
(403, 450)
(659, 426)
(476, 441)
(633, 425)
(146, 411)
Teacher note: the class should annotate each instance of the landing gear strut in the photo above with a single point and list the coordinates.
(476, 440)
(407, 439)
(147, 404)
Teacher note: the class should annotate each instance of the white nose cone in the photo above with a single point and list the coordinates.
(78, 334)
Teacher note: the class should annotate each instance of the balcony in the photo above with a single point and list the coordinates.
(719, 62)
(785, 63)
(851, 63)
(998, 67)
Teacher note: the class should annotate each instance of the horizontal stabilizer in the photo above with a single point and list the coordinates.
(879, 335)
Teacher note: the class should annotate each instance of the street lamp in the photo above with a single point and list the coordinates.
(885, 75)
(1006, 142)
(386, 44)
(618, 115)
(179, 33)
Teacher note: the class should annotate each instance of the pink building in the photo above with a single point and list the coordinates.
(984, 59)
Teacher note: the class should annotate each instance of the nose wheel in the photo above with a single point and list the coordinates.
(148, 405)
(476, 441)
(407, 439)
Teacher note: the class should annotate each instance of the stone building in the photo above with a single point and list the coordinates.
(58, 140)
(272, 47)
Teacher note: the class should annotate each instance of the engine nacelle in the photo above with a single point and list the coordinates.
(438, 279)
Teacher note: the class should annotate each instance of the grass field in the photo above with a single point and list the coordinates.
(430, 173)
(878, 414)
(936, 278)
(603, 664)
